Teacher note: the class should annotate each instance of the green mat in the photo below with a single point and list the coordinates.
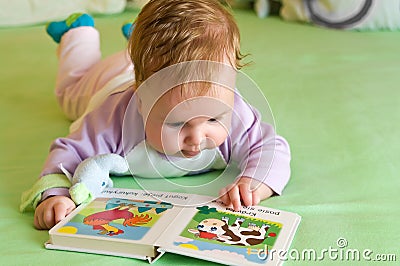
(335, 97)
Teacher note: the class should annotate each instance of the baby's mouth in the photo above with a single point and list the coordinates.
(190, 154)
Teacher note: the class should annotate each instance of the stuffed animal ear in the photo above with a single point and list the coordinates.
(93, 175)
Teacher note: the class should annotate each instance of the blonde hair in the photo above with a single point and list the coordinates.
(168, 32)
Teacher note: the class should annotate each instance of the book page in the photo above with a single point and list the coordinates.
(119, 218)
(161, 207)
(214, 232)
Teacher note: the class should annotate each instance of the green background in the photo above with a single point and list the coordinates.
(334, 95)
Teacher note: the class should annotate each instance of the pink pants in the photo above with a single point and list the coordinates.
(82, 72)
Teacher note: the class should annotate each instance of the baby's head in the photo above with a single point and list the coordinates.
(194, 114)
(173, 31)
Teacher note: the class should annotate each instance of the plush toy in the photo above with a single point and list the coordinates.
(90, 178)
(262, 7)
(93, 175)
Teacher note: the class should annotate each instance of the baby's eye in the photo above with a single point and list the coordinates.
(200, 226)
(213, 120)
(177, 124)
(103, 184)
(213, 228)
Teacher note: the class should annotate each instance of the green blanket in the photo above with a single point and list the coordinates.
(335, 97)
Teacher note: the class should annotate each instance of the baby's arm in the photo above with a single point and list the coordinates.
(99, 133)
(246, 191)
(262, 156)
(52, 210)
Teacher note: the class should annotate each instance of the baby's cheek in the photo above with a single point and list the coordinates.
(220, 134)
(170, 140)
(220, 140)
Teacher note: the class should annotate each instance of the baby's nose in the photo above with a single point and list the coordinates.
(195, 138)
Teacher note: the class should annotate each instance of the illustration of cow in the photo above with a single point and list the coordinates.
(235, 234)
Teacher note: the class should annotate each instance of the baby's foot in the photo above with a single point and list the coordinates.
(56, 29)
(127, 28)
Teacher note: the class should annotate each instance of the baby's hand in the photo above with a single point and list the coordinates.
(52, 210)
(247, 191)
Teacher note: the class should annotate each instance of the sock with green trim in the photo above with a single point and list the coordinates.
(57, 29)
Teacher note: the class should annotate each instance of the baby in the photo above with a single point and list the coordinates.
(171, 96)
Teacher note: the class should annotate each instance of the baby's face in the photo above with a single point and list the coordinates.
(183, 126)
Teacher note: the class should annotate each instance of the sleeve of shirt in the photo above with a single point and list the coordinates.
(259, 152)
(99, 133)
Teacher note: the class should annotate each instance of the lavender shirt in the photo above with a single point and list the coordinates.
(251, 144)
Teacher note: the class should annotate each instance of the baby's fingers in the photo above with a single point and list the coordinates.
(38, 221)
(246, 194)
(60, 211)
(224, 197)
(234, 197)
(230, 196)
(256, 198)
(47, 221)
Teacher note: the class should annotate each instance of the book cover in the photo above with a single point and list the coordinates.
(145, 224)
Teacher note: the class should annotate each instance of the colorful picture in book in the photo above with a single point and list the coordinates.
(211, 230)
(116, 218)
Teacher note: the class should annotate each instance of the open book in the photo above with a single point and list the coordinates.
(146, 224)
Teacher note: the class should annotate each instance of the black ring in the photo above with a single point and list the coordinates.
(315, 18)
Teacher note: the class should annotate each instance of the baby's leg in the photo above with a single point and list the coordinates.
(78, 52)
(81, 71)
